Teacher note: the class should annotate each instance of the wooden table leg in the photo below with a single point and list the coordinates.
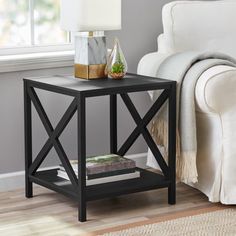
(82, 158)
(172, 146)
(28, 141)
(113, 123)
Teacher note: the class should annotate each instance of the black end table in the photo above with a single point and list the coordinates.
(80, 90)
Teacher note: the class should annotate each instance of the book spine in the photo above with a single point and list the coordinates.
(112, 167)
(104, 180)
(129, 167)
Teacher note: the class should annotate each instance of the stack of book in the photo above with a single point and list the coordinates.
(104, 169)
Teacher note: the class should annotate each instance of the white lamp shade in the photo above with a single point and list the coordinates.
(90, 15)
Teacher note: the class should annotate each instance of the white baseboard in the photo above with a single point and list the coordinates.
(16, 180)
(140, 159)
(11, 181)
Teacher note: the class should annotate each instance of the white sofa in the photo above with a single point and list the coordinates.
(206, 26)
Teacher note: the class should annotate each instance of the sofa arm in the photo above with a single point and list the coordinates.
(150, 63)
(216, 90)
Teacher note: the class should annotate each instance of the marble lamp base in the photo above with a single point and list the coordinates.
(90, 57)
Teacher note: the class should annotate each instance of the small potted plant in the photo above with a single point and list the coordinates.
(116, 66)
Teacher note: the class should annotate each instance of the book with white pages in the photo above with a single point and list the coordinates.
(108, 179)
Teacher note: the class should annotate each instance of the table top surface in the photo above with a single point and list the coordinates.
(130, 81)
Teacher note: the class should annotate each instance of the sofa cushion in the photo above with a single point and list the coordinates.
(200, 25)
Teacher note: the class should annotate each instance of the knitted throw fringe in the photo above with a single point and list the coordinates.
(186, 170)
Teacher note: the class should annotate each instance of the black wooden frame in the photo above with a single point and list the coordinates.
(77, 189)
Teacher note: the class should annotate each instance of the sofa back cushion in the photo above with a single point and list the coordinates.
(200, 25)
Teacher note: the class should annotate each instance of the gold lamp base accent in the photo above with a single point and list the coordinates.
(90, 72)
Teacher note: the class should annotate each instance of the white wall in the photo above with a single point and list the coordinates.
(141, 25)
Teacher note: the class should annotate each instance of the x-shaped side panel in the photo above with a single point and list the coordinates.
(142, 129)
(53, 136)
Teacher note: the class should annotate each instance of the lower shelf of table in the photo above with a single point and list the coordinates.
(148, 181)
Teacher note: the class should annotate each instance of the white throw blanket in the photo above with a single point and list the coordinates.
(185, 68)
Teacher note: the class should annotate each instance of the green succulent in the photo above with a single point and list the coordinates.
(118, 67)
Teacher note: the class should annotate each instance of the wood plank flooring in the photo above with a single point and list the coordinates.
(49, 213)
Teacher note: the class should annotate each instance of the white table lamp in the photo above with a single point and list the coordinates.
(90, 16)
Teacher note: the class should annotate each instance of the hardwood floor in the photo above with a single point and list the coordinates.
(49, 213)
